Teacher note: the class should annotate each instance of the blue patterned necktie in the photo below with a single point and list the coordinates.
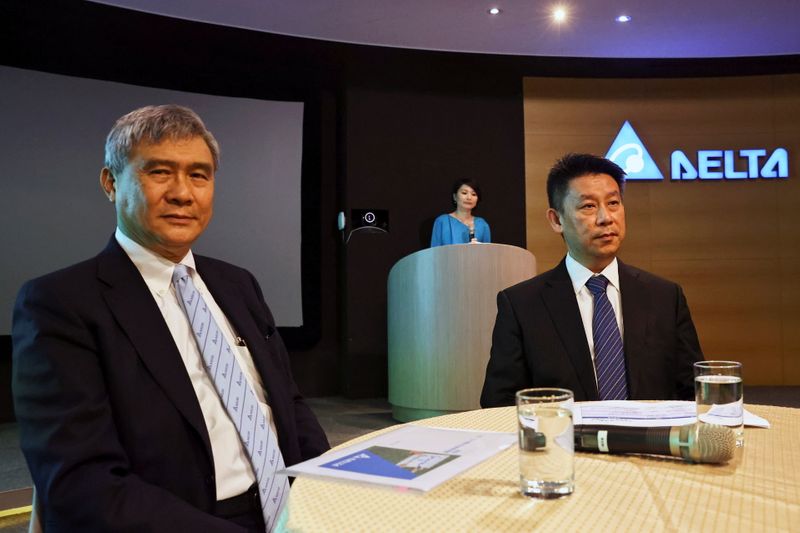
(238, 397)
(609, 356)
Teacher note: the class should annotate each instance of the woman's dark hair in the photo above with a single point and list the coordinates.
(468, 182)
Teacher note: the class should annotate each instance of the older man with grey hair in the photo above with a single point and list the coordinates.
(152, 389)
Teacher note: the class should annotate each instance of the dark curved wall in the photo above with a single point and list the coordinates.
(389, 129)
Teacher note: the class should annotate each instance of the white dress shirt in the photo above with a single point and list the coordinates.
(233, 471)
(579, 275)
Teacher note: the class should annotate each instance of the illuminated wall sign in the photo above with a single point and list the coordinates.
(731, 165)
(629, 152)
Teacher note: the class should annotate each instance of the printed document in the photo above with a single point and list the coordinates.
(650, 414)
(413, 457)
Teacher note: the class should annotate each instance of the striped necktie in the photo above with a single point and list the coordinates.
(609, 356)
(238, 397)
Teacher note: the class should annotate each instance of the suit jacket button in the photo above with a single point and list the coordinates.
(210, 480)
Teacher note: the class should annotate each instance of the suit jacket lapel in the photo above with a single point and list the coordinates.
(138, 315)
(559, 297)
(232, 299)
(635, 310)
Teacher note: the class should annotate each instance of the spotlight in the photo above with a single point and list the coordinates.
(623, 18)
(559, 14)
(494, 11)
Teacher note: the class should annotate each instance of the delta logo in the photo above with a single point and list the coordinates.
(628, 151)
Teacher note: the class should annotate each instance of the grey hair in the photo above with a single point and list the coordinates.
(152, 124)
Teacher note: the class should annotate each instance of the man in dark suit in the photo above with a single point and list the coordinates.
(545, 334)
(121, 424)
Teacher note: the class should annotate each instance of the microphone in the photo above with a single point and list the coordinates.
(698, 443)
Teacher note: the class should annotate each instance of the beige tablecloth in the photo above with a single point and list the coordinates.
(759, 491)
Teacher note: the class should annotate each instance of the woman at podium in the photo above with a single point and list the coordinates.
(460, 226)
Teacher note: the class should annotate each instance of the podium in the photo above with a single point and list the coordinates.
(442, 303)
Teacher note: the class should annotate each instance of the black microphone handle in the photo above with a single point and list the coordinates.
(623, 439)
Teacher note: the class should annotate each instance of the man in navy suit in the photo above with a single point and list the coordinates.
(120, 423)
(543, 333)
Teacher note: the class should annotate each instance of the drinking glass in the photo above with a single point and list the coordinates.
(546, 446)
(718, 392)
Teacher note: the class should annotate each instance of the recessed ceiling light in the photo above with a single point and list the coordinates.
(559, 14)
(624, 18)
(494, 11)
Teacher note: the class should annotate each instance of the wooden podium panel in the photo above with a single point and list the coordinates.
(442, 306)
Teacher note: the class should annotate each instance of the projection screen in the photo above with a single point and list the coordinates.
(53, 213)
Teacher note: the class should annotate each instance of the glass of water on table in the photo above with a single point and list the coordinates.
(546, 446)
(718, 393)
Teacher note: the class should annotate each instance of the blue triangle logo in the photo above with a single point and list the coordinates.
(367, 462)
(629, 152)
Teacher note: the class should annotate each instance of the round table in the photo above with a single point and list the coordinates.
(759, 490)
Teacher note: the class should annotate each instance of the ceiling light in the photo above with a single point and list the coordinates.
(494, 11)
(559, 14)
(623, 18)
